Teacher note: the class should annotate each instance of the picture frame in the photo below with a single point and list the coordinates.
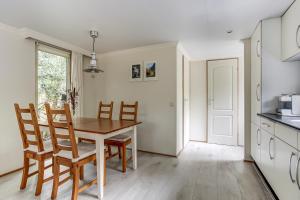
(136, 72)
(150, 71)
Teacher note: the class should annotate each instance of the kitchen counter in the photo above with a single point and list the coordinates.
(293, 122)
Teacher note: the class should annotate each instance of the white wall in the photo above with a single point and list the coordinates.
(17, 84)
(157, 99)
(198, 99)
(247, 98)
(90, 86)
(241, 98)
(212, 49)
(230, 49)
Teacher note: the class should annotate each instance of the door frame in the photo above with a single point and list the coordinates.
(183, 107)
(238, 94)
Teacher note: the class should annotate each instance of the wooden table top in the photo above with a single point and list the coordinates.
(97, 126)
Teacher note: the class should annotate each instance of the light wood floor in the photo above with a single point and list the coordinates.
(202, 172)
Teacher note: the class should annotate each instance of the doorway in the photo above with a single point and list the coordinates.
(223, 101)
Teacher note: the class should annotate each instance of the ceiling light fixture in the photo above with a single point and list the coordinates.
(93, 68)
(229, 31)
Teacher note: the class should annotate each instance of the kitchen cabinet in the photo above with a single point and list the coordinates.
(277, 159)
(267, 155)
(256, 74)
(255, 142)
(284, 181)
(291, 33)
(267, 69)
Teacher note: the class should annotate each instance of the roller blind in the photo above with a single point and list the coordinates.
(53, 50)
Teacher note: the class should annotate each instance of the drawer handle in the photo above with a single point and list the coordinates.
(267, 125)
(271, 157)
(257, 93)
(290, 168)
(257, 132)
(297, 174)
(297, 40)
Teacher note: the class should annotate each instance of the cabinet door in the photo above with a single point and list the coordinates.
(267, 155)
(256, 74)
(291, 32)
(298, 174)
(255, 143)
(285, 162)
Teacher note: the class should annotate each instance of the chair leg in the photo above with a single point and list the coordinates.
(119, 152)
(25, 173)
(124, 158)
(109, 150)
(41, 169)
(104, 177)
(52, 165)
(81, 172)
(55, 179)
(75, 172)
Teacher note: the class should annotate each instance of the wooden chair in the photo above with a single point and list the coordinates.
(33, 146)
(121, 141)
(67, 152)
(105, 111)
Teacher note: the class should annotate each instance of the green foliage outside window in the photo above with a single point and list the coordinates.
(52, 80)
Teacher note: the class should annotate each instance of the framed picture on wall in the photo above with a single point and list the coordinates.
(136, 72)
(150, 71)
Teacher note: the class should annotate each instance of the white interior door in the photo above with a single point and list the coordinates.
(222, 101)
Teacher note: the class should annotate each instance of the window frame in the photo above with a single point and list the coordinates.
(69, 68)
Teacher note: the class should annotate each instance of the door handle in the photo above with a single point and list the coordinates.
(290, 168)
(297, 174)
(297, 33)
(257, 132)
(257, 48)
(257, 95)
(271, 157)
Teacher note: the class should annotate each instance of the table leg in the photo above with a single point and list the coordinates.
(134, 148)
(100, 166)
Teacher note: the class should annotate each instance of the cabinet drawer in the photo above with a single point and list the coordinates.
(267, 125)
(288, 135)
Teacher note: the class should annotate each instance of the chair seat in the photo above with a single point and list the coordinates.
(120, 138)
(47, 148)
(84, 150)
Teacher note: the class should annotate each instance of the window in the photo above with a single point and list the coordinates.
(53, 77)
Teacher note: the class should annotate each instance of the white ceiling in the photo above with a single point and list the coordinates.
(131, 23)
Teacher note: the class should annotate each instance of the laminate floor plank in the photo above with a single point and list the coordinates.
(201, 172)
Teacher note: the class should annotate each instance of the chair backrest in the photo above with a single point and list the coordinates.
(27, 119)
(62, 141)
(105, 110)
(128, 111)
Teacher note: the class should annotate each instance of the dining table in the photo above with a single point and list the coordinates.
(99, 130)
